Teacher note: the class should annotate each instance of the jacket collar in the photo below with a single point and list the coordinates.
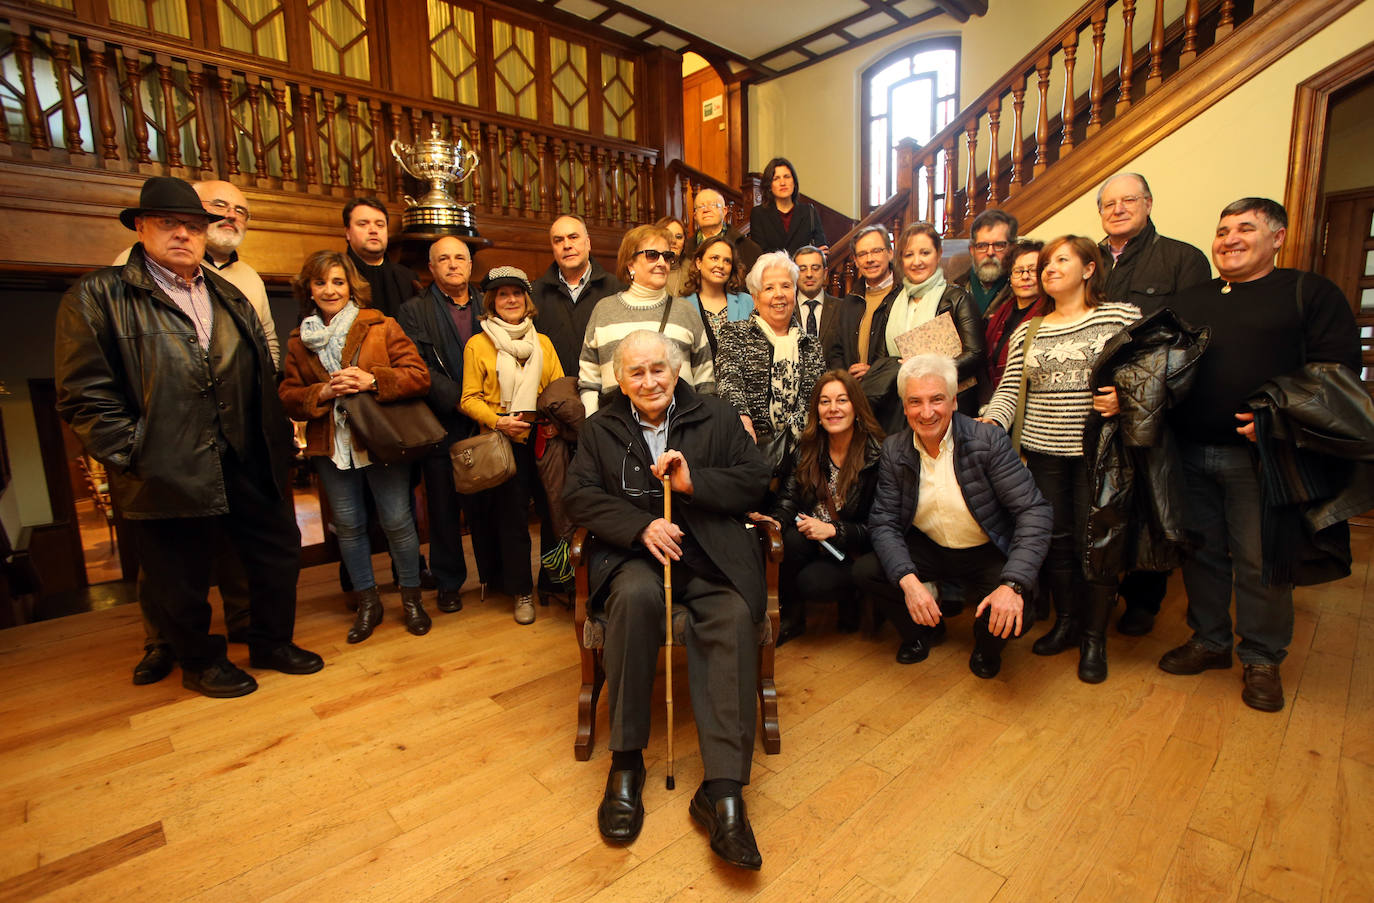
(1134, 246)
(688, 408)
(594, 276)
(135, 273)
(959, 426)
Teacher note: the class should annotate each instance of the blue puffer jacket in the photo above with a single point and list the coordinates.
(998, 489)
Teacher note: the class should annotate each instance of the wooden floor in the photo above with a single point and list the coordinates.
(441, 768)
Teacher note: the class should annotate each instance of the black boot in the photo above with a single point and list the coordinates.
(369, 614)
(1092, 651)
(416, 618)
(1064, 634)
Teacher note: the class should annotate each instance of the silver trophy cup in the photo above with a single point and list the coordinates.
(443, 164)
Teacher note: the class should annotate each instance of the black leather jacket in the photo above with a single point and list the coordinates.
(1135, 511)
(851, 522)
(136, 388)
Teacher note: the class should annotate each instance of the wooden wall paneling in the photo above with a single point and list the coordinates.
(737, 111)
(58, 558)
(706, 145)
(402, 26)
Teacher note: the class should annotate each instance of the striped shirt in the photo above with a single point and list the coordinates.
(1059, 365)
(192, 297)
(615, 317)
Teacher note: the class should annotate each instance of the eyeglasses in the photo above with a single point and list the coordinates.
(876, 252)
(1023, 272)
(172, 223)
(718, 206)
(223, 208)
(653, 254)
(983, 247)
(635, 493)
(1125, 203)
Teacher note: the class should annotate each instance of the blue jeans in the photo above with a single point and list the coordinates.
(1223, 504)
(348, 515)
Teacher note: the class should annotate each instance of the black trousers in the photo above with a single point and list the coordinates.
(979, 569)
(447, 509)
(510, 522)
(232, 581)
(809, 573)
(177, 554)
(722, 662)
(1064, 482)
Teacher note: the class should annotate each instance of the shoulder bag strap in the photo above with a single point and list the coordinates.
(1019, 418)
(667, 309)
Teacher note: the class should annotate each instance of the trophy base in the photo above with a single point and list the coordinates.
(450, 220)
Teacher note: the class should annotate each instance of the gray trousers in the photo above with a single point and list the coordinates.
(722, 663)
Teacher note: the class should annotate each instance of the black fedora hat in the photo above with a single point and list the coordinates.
(164, 194)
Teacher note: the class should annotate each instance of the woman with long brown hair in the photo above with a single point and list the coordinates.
(826, 500)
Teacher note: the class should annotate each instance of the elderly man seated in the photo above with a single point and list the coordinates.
(953, 503)
(657, 427)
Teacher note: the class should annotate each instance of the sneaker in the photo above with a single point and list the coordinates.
(524, 609)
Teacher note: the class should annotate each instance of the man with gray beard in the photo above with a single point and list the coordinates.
(990, 239)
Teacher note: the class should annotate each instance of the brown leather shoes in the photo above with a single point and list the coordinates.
(1263, 689)
(1193, 658)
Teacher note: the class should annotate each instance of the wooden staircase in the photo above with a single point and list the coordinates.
(1035, 162)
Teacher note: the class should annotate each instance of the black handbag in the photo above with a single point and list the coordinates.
(393, 431)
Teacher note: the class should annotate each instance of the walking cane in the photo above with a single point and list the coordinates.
(668, 627)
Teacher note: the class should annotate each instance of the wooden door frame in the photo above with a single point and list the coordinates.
(1307, 154)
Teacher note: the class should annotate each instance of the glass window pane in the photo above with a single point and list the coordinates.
(513, 53)
(338, 37)
(1367, 299)
(253, 26)
(1369, 263)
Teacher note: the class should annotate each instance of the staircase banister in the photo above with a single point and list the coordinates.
(697, 177)
(879, 215)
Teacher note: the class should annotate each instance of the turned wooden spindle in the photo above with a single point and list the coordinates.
(33, 110)
(255, 132)
(491, 132)
(994, 154)
(601, 211)
(1155, 76)
(171, 132)
(1042, 123)
(355, 160)
(1191, 15)
(329, 106)
(1099, 23)
(1069, 111)
(394, 117)
(309, 135)
(97, 61)
(228, 128)
(971, 173)
(951, 228)
(929, 214)
(1226, 21)
(71, 116)
(284, 156)
(1127, 69)
(1018, 144)
(195, 78)
(381, 148)
(133, 71)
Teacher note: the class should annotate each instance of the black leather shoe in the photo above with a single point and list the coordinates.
(621, 813)
(1194, 658)
(1263, 689)
(156, 664)
(219, 680)
(731, 837)
(790, 630)
(449, 601)
(984, 664)
(1135, 622)
(288, 658)
(917, 650)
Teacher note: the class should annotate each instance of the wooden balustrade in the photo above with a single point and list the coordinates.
(1017, 156)
(127, 109)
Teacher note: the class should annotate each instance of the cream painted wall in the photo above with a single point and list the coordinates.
(812, 116)
(1237, 148)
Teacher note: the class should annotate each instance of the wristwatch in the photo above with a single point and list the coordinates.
(373, 387)
(1016, 587)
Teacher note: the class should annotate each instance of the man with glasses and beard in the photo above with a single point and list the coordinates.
(990, 239)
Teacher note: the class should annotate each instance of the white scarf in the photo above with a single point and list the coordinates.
(327, 342)
(519, 362)
(915, 305)
(784, 378)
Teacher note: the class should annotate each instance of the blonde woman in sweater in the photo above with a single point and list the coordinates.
(505, 367)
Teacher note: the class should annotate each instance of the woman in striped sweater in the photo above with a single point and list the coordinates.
(1056, 368)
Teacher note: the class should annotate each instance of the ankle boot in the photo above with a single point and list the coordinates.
(416, 618)
(1092, 651)
(1064, 634)
(369, 614)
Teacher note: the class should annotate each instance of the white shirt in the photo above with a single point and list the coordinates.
(941, 512)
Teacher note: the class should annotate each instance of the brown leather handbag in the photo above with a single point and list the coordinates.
(482, 462)
(393, 431)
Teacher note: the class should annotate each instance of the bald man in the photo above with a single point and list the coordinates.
(440, 321)
(708, 212)
(565, 295)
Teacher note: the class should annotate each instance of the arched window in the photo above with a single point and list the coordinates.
(910, 93)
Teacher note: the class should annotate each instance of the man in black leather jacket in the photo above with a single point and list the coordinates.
(163, 372)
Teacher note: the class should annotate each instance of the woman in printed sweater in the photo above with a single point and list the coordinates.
(1056, 369)
(644, 260)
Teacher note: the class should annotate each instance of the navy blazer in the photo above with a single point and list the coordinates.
(428, 323)
(998, 489)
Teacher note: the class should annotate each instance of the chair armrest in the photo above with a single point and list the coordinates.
(770, 537)
(577, 545)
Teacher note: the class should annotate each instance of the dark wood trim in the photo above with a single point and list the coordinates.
(63, 528)
(1307, 154)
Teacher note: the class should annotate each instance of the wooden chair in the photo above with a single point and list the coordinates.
(591, 637)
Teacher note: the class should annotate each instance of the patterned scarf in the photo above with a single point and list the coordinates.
(327, 342)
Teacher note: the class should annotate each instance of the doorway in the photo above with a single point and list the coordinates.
(705, 119)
